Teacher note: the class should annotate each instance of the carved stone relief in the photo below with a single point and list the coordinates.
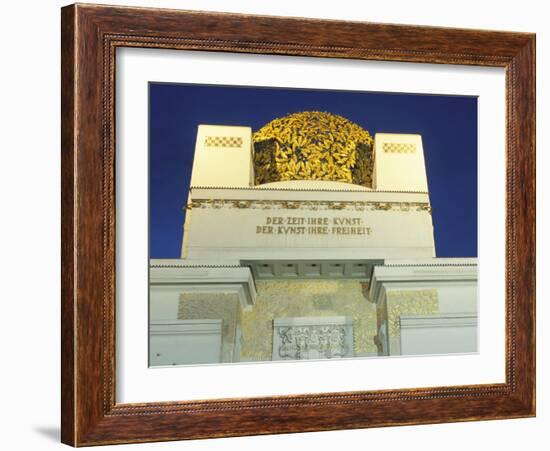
(312, 338)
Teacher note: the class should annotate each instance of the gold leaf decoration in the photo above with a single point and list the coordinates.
(313, 145)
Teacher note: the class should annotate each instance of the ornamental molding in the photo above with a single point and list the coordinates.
(263, 204)
(265, 187)
(442, 320)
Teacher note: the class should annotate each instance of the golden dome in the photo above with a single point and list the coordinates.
(313, 145)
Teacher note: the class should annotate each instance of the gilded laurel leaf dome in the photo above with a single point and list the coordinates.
(313, 145)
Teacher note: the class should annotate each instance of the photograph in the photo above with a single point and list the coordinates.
(280, 222)
(292, 224)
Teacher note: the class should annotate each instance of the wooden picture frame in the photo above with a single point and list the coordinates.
(90, 36)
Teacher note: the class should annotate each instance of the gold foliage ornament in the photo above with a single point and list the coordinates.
(313, 145)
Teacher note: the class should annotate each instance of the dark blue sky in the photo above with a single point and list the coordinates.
(448, 125)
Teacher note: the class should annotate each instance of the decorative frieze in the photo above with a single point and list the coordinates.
(223, 141)
(390, 147)
(313, 205)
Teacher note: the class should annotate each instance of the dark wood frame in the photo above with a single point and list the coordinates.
(90, 36)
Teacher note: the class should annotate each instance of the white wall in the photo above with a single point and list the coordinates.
(30, 227)
(458, 299)
(222, 166)
(401, 171)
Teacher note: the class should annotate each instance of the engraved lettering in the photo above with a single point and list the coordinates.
(300, 225)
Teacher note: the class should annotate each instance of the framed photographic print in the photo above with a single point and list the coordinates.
(279, 225)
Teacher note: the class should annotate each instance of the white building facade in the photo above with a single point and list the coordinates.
(305, 240)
